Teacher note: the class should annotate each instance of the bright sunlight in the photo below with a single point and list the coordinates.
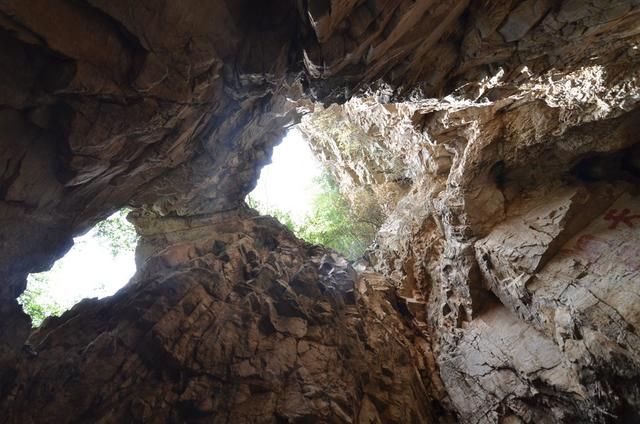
(287, 184)
(294, 188)
(99, 263)
(302, 195)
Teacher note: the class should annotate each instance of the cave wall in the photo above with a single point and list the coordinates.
(499, 138)
(231, 319)
(516, 238)
(515, 232)
(108, 104)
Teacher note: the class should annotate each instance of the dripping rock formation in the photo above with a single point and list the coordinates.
(500, 139)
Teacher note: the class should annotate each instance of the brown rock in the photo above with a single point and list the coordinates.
(498, 141)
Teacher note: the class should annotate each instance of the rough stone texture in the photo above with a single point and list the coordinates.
(499, 137)
(230, 318)
(516, 221)
(118, 102)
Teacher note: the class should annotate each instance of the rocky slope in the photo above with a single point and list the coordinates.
(500, 138)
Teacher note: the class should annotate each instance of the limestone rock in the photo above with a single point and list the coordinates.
(214, 328)
(499, 139)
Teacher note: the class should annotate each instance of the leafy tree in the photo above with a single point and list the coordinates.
(118, 232)
(331, 223)
(35, 301)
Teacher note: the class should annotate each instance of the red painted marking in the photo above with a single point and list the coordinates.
(630, 255)
(592, 246)
(624, 217)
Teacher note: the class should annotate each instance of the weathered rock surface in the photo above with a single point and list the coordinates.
(500, 139)
(111, 103)
(230, 318)
(519, 227)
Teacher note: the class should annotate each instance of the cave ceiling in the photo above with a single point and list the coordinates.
(495, 133)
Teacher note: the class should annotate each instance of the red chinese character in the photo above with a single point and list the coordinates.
(623, 216)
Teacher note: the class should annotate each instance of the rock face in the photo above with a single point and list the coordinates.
(519, 229)
(105, 106)
(500, 139)
(231, 319)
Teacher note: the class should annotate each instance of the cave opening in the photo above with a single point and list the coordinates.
(100, 262)
(299, 189)
(288, 185)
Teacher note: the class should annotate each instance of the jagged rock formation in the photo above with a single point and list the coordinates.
(528, 266)
(231, 319)
(105, 107)
(502, 143)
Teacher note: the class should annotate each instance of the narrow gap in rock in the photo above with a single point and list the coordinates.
(100, 262)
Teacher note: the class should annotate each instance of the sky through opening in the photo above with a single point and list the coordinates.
(287, 184)
(92, 268)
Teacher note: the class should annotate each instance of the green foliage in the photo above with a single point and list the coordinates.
(331, 223)
(115, 231)
(283, 217)
(253, 203)
(118, 232)
(35, 301)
